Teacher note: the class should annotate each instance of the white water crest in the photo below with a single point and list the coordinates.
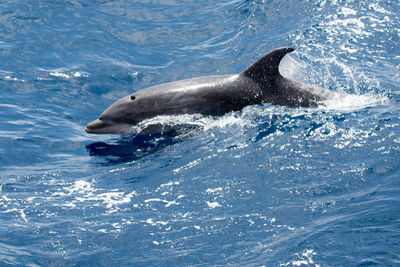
(352, 102)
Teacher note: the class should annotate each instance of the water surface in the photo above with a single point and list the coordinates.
(267, 185)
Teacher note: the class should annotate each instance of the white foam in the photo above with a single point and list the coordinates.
(351, 102)
(347, 11)
(20, 211)
(83, 191)
(213, 190)
(304, 259)
(213, 205)
(188, 122)
(167, 203)
(70, 75)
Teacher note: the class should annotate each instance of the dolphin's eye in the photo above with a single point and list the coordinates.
(133, 97)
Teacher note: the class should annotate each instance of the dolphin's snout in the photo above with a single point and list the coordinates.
(95, 126)
(107, 127)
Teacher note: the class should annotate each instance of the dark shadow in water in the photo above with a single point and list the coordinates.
(130, 148)
(286, 123)
(275, 123)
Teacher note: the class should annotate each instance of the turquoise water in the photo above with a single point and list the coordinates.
(267, 185)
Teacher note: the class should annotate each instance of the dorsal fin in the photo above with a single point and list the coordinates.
(268, 65)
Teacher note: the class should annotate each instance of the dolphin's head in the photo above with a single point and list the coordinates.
(117, 119)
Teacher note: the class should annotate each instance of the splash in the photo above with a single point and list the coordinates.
(352, 102)
(188, 123)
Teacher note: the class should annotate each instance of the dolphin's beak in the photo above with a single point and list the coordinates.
(107, 127)
(95, 126)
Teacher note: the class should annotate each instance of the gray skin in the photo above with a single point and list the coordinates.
(210, 95)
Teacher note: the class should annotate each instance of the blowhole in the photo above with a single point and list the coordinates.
(133, 97)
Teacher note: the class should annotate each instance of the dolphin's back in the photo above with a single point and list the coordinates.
(211, 95)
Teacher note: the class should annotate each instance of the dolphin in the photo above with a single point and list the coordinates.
(210, 95)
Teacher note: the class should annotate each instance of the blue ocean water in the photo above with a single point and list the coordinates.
(267, 185)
